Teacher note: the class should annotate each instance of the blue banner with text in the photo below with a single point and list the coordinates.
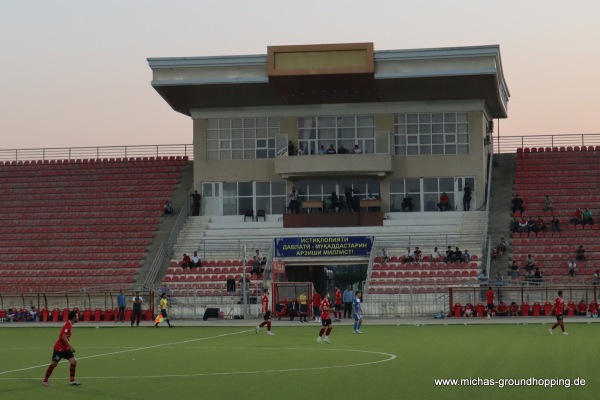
(324, 246)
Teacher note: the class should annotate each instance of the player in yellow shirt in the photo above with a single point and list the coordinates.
(303, 300)
(163, 310)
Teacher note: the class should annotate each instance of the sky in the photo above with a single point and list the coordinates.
(74, 73)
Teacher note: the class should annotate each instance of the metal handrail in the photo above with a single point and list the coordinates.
(510, 144)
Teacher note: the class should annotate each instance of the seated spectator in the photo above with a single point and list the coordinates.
(499, 279)
(514, 226)
(469, 310)
(529, 263)
(518, 204)
(548, 204)
(385, 257)
(196, 261)
(513, 309)
(322, 150)
(22, 314)
(502, 309)
(33, 315)
(356, 149)
(582, 308)
(577, 217)
(331, 150)
(255, 266)
(555, 224)
(580, 253)
(435, 255)
(407, 203)
(529, 277)
(513, 271)
(186, 262)
(291, 149)
(466, 257)
(523, 226)
(168, 208)
(572, 265)
(502, 246)
(458, 255)
(11, 315)
(300, 151)
(540, 225)
(444, 204)
(342, 149)
(587, 217)
(409, 256)
(483, 278)
(450, 255)
(597, 277)
(418, 254)
(538, 276)
(531, 227)
(262, 260)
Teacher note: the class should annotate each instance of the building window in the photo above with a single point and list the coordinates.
(431, 133)
(315, 133)
(241, 196)
(241, 138)
(426, 192)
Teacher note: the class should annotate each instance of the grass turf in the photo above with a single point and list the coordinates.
(235, 363)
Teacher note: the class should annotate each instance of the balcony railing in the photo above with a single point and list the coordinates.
(510, 144)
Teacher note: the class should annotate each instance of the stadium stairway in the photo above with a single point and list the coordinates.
(503, 174)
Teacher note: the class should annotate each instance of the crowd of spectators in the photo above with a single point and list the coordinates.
(322, 150)
(452, 255)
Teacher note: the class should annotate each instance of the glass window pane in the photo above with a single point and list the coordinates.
(261, 154)
(463, 128)
(212, 123)
(400, 118)
(447, 185)
(278, 188)
(463, 149)
(261, 132)
(412, 150)
(396, 202)
(230, 189)
(314, 188)
(437, 128)
(400, 129)
(249, 154)
(263, 188)
(450, 117)
(437, 118)
(425, 149)
(462, 117)
(264, 203)
(245, 203)
(278, 205)
(207, 190)
(230, 206)
(412, 129)
(430, 201)
(450, 149)
(412, 118)
(424, 128)
(413, 185)
(416, 200)
(212, 135)
(463, 138)
(365, 120)
(397, 186)
(450, 128)
(450, 139)
(437, 149)
(225, 134)
(400, 150)
(430, 185)
(437, 139)
(244, 189)
(225, 155)
(213, 155)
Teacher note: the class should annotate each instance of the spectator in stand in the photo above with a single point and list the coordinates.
(518, 204)
(409, 255)
(494, 254)
(499, 279)
(334, 202)
(502, 246)
(418, 254)
(555, 224)
(529, 263)
(291, 149)
(322, 150)
(385, 256)
(262, 260)
(523, 226)
(300, 151)
(531, 227)
(196, 203)
(572, 265)
(502, 309)
(582, 308)
(469, 309)
(444, 204)
(356, 149)
(294, 205)
(513, 271)
(540, 225)
(331, 150)
(514, 226)
(587, 217)
(196, 261)
(255, 266)
(597, 277)
(483, 278)
(538, 276)
(450, 255)
(186, 262)
(580, 253)
(467, 197)
(342, 149)
(513, 309)
(407, 203)
(577, 217)
(466, 257)
(168, 208)
(548, 204)
(458, 255)
(33, 315)
(435, 255)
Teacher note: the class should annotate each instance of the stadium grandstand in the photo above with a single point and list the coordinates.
(333, 163)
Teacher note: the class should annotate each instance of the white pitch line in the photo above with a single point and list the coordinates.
(130, 350)
(390, 357)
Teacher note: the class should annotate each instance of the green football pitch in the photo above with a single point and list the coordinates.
(503, 361)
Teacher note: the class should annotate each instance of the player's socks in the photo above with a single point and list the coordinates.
(327, 332)
(269, 326)
(359, 325)
(72, 372)
(355, 326)
(321, 332)
(48, 373)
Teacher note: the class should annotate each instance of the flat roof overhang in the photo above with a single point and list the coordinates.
(401, 75)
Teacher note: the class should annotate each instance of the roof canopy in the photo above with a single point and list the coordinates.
(332, 74)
